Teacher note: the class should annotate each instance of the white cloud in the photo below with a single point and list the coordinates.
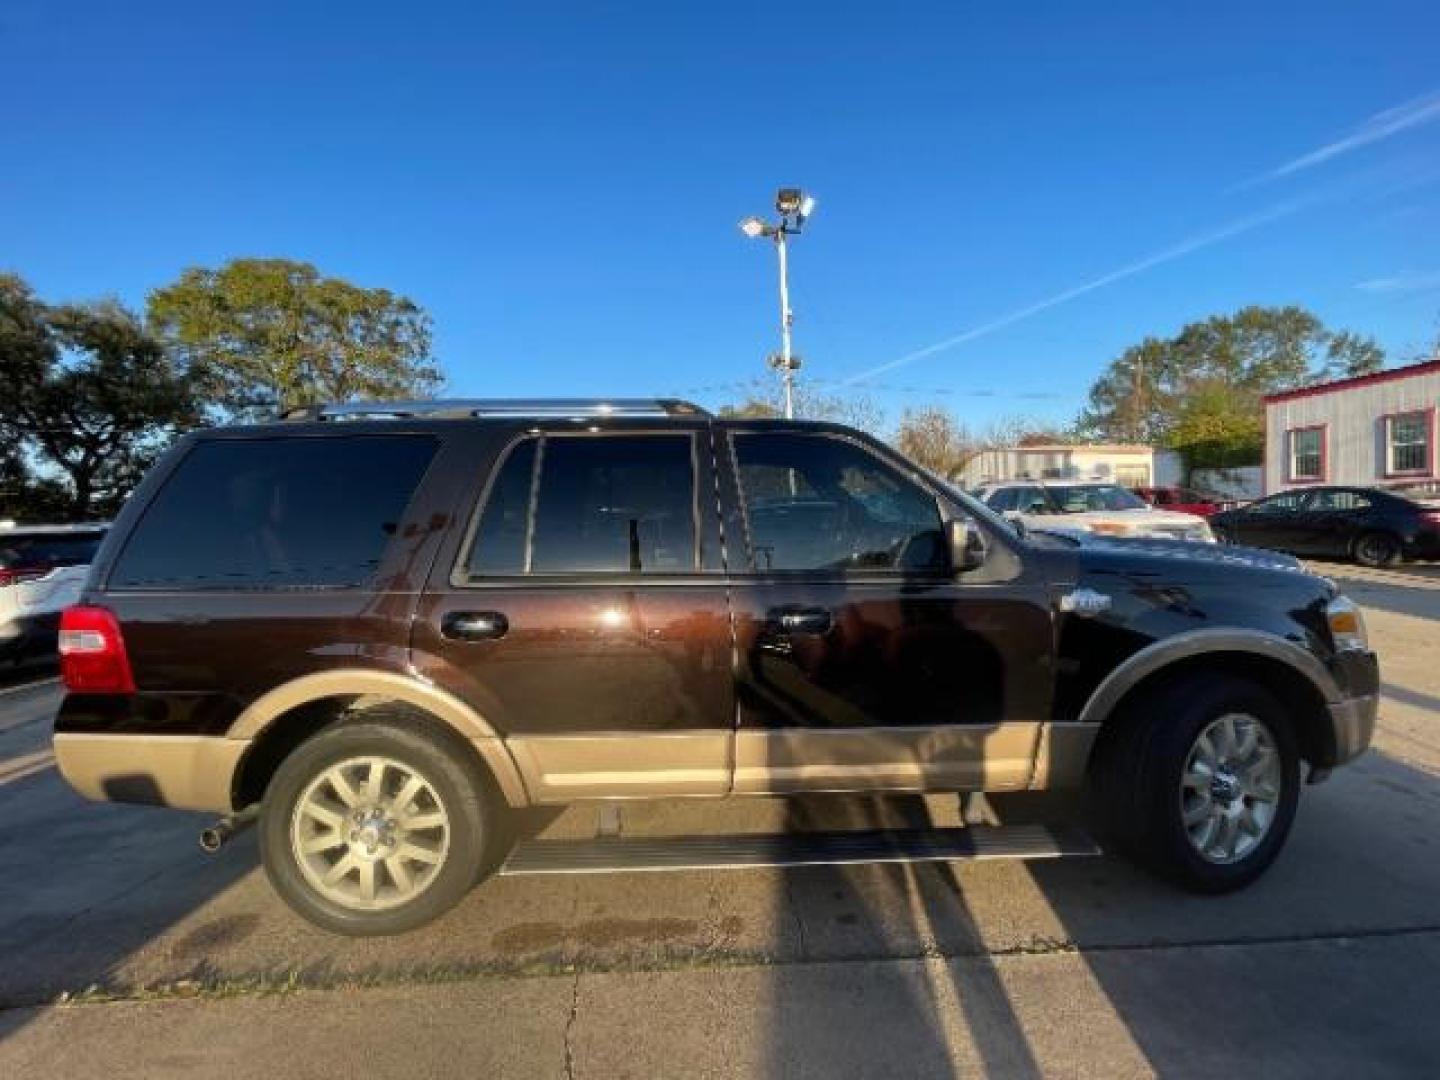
(1382, 125)
(1169, 254)
(1401, 283)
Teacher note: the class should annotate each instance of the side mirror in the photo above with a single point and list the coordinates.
(967, 546)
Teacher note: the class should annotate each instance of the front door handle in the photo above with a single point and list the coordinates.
(474, 625)
(802, 620)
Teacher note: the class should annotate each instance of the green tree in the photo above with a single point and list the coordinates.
(93, 399)
(262, 335)
(1236, 358)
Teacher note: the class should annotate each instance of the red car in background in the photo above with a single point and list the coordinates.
(1183, 500)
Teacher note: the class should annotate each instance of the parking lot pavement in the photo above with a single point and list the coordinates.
(1085, 966)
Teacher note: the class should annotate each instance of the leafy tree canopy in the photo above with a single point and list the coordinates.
(92, 400)
(261, 335)
(1235, 359)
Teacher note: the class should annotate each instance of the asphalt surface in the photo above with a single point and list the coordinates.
(1330, 965)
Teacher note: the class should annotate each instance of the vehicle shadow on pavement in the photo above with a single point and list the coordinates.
(1305, 965)
(917, 911)
(1412, 590)
(88, 884)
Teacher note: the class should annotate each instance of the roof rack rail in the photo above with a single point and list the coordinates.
(471, 408)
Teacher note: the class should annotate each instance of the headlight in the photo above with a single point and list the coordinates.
(1109, 528)
(1347, 624)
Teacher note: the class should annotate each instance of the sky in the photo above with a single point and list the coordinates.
(1009, 194)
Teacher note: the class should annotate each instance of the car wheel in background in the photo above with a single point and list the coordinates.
(1377, 549)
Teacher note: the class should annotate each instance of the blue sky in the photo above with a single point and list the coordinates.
(559, 184)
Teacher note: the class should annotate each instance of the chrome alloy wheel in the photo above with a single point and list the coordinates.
(1230, 788)
(370, 833)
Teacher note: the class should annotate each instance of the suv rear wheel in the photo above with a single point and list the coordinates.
(373, 827)
(1201, 781)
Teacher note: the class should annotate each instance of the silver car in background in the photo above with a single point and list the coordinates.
(42, 570)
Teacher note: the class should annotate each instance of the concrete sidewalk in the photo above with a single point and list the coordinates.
(1338, 1007)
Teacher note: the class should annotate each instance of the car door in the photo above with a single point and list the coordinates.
(1330, 520)
(585, 617)
(1272, 522)
(862, 661)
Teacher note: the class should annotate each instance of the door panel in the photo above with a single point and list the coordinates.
(596, 646)
(902, 676)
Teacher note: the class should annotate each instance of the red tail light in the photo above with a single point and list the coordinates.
(92, 653)
(1431, 517)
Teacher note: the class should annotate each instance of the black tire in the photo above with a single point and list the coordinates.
(1136, 778)
(459, 785)
(1222, 534)
(1377, 549)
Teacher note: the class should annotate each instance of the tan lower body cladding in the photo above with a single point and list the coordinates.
(191, 772)
(198, 772)
(1009, 757)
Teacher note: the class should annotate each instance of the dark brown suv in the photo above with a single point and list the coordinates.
(384, 625)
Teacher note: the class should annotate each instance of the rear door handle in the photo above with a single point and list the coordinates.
(474, 625)
(802, 620)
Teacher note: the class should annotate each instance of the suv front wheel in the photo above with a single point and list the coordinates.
(1201, 780)
(373, 827)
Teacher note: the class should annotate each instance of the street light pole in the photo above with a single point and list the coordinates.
(794, 207)
(787, 317)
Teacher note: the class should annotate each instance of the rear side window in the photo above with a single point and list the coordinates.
(45, 551)
(604, 504)
(275, 513)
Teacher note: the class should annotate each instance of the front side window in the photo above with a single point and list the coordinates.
(1288, 503)
(813, 502)
(604, 504)
(1307, 453)
(1337, 500)
(1407, 443)
(294, 512)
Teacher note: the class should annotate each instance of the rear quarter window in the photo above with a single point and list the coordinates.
(299, 512)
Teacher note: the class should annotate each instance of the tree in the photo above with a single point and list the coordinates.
(263, 335)
(1236, 358)
(93, 400)
(931, 436)
(766, 400)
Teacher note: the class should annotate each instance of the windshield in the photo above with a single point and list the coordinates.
(1083, 498)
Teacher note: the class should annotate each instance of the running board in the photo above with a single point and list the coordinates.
(745, 850)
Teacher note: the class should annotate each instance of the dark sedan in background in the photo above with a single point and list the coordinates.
(1371, 526)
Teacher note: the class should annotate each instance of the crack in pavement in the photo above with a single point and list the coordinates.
(794, 905)
(570, 1028)
(297, 982)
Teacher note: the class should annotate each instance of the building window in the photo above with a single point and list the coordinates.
(1407, 443)
(1307, 453)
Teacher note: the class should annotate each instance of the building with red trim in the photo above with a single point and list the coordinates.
(1372, 430)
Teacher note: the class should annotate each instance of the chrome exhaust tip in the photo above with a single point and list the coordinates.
(227, 828)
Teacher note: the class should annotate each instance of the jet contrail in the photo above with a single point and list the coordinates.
(1185, 247)
(1382, 125)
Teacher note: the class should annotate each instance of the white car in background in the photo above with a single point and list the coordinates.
(42, 570)
(1098, 507)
